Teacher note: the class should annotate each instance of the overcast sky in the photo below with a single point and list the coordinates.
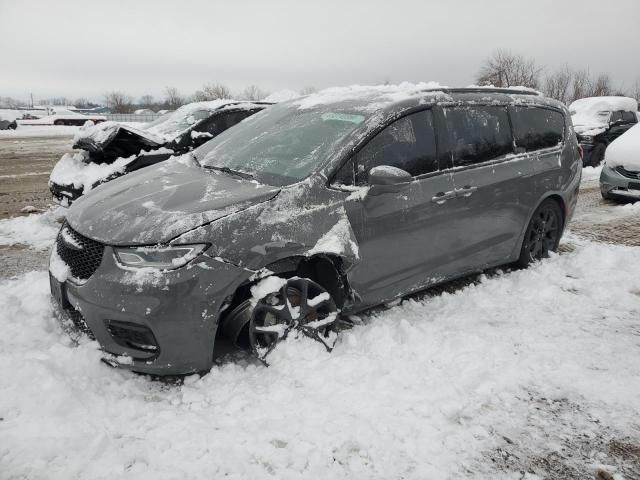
(84, 48)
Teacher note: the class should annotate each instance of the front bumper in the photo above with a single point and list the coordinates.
(614, 184)
(180, 308)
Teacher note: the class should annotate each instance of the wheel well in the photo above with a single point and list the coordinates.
(559, 200)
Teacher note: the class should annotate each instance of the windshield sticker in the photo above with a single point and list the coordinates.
(343, 117)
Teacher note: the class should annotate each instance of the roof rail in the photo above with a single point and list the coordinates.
(513, 91)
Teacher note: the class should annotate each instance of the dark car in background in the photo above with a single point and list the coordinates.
(598, 121)
(110, 149)
(334, 202)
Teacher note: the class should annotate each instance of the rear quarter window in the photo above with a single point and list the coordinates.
(535, 128)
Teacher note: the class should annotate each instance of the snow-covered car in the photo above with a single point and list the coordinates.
(8, 119)
(620, 177)
(334, 202)
(598, 121)
(62, 116)
(112, 149)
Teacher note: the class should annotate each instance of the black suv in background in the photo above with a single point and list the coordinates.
(598, 121)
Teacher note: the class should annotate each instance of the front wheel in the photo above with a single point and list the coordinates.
(543, 233)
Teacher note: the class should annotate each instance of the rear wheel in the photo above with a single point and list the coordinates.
(543, 233)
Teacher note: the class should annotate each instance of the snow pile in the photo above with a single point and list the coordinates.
(590, 115)
(36, 230)
(338, 240)
(75, 170)
(624, 151)
(428, 389)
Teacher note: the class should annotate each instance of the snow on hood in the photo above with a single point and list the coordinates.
(625, 150)
(590, 116)
(156, 204)
(377, 95)
(75, 170)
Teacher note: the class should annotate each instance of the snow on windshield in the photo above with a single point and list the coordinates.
(288, 141)
(625, 150)
(590, 116)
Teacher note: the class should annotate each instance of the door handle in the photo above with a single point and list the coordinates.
(442, 197)
(465, 191)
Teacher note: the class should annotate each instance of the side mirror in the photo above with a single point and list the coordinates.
(387, 179)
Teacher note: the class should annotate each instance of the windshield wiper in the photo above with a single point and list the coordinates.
(230, 171)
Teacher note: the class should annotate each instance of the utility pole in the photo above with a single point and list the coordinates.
(32, 100)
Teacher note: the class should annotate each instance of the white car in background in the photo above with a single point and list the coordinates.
(620, 177)
(62, 116)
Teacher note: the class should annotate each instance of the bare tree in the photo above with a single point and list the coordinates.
(81, 103)
(601, 86)
(504, 68)
(212, 91)
(172, 98)
(558, 84)
(254, 93)
(118, 102)
(146, 101)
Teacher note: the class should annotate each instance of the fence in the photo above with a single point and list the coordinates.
(132, 117)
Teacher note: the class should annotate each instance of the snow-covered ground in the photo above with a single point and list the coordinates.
(526, 371)
(429, 389)
(27, 131)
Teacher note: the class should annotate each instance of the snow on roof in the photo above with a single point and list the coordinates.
(282, 96)
(590, 115)
(625, 150)
(377, 95)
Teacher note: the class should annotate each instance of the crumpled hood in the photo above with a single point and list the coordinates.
(158, 203)
(100, 137)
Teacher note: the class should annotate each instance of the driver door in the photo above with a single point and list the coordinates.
(403, 235)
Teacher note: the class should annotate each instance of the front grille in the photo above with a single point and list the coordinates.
(81, 254)
(628, 173)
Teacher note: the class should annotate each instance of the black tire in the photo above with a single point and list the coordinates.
(597, 155)
(543, 233)
(12, 126)
(59, 122)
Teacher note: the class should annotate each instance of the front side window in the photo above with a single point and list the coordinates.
(478, 134)
(616, 117)
(408, 143)
(535, 128)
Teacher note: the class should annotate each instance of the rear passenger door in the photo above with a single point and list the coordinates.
(489, 180)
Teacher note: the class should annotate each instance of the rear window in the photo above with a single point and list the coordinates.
(535, 128)
(478, 134)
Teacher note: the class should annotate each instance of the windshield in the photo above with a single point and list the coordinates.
(280, 145)
(173, 124)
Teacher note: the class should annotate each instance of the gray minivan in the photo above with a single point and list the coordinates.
(331, 203)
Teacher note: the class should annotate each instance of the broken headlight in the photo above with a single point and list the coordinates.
(164, 258)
